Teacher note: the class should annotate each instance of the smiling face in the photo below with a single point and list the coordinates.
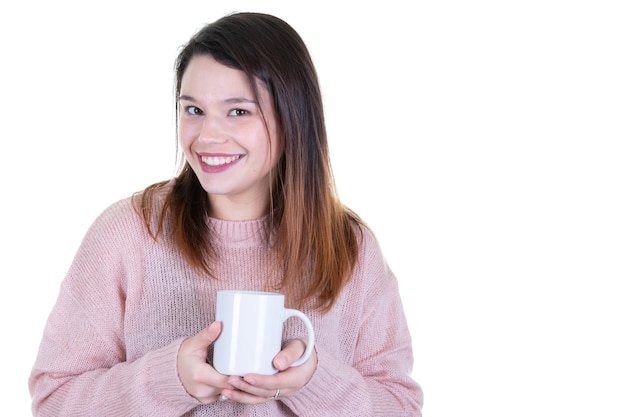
(224, 137)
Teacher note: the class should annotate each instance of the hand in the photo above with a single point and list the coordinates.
(199, 378)
(256, 389)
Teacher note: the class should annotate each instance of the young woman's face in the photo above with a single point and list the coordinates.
(225, 138)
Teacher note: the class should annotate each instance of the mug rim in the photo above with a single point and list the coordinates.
(250, 292)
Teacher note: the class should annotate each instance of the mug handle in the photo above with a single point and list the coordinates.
(310, 334)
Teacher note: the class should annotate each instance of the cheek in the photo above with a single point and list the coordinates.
(275, 148)
(186, 135)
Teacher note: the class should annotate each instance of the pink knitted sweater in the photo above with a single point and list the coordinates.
(110, 344)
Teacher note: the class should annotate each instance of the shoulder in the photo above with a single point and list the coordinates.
(372, 272)
(116, 223)
(365, 238)
(130, 216)
(370, 251)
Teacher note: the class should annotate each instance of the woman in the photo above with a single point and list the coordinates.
(253, 208)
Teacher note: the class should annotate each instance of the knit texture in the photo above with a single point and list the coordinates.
(110, 345)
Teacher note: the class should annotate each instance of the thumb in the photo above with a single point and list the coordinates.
(206, 336)
(292, 351)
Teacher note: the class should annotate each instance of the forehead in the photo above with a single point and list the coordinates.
(204, 72)
(205, 75)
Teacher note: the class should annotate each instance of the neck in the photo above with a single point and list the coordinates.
(224, 207)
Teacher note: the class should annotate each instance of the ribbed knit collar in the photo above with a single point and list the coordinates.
(245, 233)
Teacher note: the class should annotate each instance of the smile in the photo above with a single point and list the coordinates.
(215, 161)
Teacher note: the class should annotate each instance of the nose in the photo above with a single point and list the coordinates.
(212, 130)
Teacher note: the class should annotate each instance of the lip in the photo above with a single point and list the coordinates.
(212, 169)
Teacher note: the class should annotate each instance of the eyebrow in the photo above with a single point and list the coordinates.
(233, 100)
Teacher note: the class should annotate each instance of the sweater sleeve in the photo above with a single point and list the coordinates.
(377, 382)
(81, 368)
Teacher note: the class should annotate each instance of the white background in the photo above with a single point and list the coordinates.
(481, 140)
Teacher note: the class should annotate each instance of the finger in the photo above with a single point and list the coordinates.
(292, 351)
(245, 397)
(291, 379)
(256, 385)
(196, 346)
(200, 379)
(206, 336)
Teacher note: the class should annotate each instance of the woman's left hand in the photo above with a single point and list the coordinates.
(256, 389)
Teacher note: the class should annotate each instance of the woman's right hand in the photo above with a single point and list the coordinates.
(199, 378)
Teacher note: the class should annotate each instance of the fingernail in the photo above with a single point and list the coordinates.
(250, 380)
(280, 363)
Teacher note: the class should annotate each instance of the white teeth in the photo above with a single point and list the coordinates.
(219, 160)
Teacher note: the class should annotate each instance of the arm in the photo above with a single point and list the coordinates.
(371, 377)
(377, 383)
(79, 373)
(82, 367)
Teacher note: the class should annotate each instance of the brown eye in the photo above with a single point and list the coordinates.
(238, 112)
(193, 110)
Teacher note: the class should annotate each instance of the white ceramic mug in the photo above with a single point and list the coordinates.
(252, 330)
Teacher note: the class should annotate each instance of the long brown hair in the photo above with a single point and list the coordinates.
(312, 235)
